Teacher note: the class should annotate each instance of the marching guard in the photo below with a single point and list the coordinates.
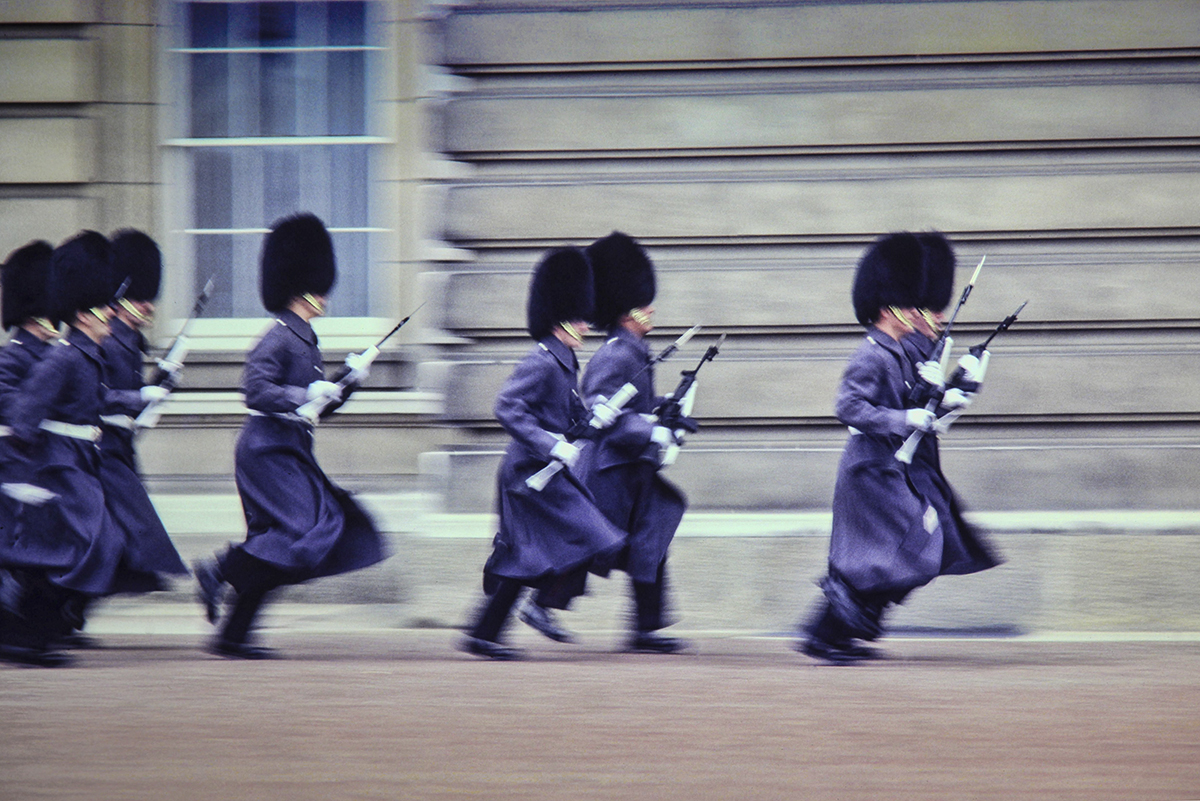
(622, 467)
(549, 535)
(26, 314)
(149, 554)
(66, 548)
(896, 526)
(299, 524)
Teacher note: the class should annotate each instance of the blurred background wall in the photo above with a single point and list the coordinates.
(754, 148)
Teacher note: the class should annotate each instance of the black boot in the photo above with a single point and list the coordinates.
(544, 620)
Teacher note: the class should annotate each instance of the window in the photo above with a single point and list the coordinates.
(273, 118)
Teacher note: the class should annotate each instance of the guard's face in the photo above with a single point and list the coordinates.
(926, 322)
(639, 321)
(571, 332)
(94, 323)
(136, 314)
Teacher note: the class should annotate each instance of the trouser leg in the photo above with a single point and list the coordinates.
(496, 611)
(41, 615)
(648, 600)
(252, 580)
(826, 626)
(560, 590)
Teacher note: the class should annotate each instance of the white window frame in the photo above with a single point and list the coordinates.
(239, 333)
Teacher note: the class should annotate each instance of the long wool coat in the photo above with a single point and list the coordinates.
(17, 358)
(558, 530)
(72, 537)
(891, 521)
(148, 548)
(964, 548)
(297, 520)
(621, 467)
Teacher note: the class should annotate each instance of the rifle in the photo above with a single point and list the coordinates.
(622, 396)
(167, 373)
(351, 372)
(940, 354)
(957, 379)
(680, 402)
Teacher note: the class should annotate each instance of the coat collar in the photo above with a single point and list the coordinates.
(84, 343)
(126, 337)
(28, 341)
(630, 339)
(877, 337)
(564, 355)
(297, 325)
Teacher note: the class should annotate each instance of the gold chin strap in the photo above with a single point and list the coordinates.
(931, 320)
(129, 307)
(101, 313)
(570, 329)
(311, 301)
(46, 325)
(901, 316)
(639, 317)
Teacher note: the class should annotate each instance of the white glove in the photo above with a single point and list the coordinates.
(973, 367)
(153, 393)
(662, 435)
(360, 367)
(604, 415)
(323, 390)
(920, 419)
(955, 398)
(931, 373)
(565, 452)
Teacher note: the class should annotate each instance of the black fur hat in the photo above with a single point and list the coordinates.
(24, 276)
(80, 275)
(136, 257)
(561, 290)
(624, 277)
(939, 263)
(890, 273)
(297, 258)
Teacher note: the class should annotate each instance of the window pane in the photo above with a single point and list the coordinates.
(208, 24)
(281, 183)
(276, 24)
(210, 94)
(348, 186)
(214, 259)
(347, 23)
(349, 296)
(212, 182)
(347, 94)
(277, 90)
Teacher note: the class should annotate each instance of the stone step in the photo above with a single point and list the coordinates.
(1094, 570)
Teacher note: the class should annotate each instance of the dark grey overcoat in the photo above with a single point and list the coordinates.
(148, 548)
(621, 466)
(558, 530)
(71, 537)
(890, 520)
(297, 519)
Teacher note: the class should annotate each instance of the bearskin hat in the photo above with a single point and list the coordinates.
(24, 276)
(624, 277)
(561, 290)
(80, 275)
(938, 265)
(890, 273)
(297, 259)
(136, 257)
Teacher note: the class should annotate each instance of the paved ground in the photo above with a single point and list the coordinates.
(400, 714)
